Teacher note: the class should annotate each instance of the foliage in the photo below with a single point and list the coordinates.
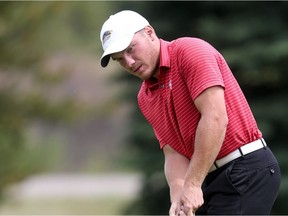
(252, 36)
(20, 49)
(31, 32)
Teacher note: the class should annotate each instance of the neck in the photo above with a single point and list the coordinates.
(157, 67)
(156, 73)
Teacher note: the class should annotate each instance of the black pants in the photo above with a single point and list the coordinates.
(248, 185)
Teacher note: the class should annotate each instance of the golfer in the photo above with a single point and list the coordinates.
(216, 159)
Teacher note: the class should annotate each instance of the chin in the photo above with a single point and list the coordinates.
(145, 77)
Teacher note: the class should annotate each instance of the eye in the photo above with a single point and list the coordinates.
(130, 48)
(117, 59)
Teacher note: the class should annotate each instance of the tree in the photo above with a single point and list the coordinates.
(252, 36)
(30, 32)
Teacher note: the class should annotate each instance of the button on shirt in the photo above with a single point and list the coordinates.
(187, 67)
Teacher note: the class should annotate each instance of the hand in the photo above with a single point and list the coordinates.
(189, 201)
(178, 210)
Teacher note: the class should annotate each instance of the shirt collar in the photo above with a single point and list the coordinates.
(164, 61)
(164, 54)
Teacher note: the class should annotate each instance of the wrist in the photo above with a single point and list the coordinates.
(194, 178)
(175, 191)
(192, 184)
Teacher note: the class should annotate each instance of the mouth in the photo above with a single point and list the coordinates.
(137, 69)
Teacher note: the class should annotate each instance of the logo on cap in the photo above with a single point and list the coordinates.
(106, 36)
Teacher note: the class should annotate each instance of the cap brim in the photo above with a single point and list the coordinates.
(105, 60)
(115, 47)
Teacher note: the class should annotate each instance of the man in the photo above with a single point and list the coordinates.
(216, 161)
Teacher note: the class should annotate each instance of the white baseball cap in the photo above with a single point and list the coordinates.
(118, 31)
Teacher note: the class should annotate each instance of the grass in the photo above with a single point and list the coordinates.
(96, 206)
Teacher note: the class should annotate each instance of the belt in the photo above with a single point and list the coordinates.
(243, 150)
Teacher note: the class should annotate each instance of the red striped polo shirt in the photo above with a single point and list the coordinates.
(187, 67)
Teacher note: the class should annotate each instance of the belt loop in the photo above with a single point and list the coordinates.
(263, 143)
(215, 164)
(240, 150)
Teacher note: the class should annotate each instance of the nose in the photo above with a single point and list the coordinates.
(129, 61)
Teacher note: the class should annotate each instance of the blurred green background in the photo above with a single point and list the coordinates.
(64, 117)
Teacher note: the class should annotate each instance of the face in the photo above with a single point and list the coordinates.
(141, 57)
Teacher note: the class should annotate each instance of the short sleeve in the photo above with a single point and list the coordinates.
(199, 63)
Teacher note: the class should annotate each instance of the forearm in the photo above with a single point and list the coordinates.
(184, 176)
(175, 170)
(209, 138)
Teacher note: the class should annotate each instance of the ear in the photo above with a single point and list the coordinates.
(150, 31)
